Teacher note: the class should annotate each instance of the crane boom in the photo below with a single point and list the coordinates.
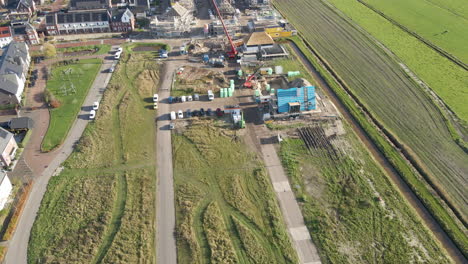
(233, 52)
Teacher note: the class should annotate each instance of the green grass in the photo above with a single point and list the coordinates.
(341, 210)
(98, 49)
(425, 194)
(429, 21)
(446, 78)
(82, 77)
(100, 208)
(213, 168)
(404, 109)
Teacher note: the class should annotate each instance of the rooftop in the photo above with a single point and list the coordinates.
(260, 38)
(21, 123)
(5, 137)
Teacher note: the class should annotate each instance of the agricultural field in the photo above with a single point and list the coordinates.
(69, 84)
(432, 22)
(226, 211)
(352, 210)
(388, 94)
(446, 78)
(100, 207)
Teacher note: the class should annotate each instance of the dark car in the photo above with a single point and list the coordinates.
(170, 99)
(188, 113)
(195, 113)
(219, 112)
(177, 99)
(209, 112)
(202, 112)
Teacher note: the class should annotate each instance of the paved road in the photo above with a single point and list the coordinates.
(18, 245)
(165, 212)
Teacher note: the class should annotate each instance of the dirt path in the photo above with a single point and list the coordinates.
(405, 190)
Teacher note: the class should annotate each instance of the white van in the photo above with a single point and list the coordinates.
(155, 97)
(180, 114)
(210, 95)
(117, 56)
(173, 115)
(183, 98)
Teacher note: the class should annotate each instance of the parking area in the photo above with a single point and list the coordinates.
(203, 103)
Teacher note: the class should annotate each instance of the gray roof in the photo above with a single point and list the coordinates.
(5, 137)
(176, 11)
(13, 59)
(21, 122)
(77, 17)
(9, 83)
(117, 14)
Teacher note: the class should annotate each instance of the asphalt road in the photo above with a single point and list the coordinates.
(165, 209)
(18, 245)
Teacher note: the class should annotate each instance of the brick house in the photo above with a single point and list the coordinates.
(25, 33)
(5, 36)
(78, 22)
(8, 147)
(122, 21)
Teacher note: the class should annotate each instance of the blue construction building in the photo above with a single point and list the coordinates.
(299, 97)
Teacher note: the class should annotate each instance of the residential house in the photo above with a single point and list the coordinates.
(24, 10)
(14, 66)
(5, 36)
(21, 124)
(25, 32)
(175, 22)
(8, 147)
(89, 4)
(122, 20)
(78, 22)
(5, 189)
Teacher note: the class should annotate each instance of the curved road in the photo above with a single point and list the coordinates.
(18, 245)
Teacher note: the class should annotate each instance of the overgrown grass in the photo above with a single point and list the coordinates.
(213, 166)
(353, 212)
(403, 109)
(97, 49)
(100, 208)
(70, 85)
(432, 203)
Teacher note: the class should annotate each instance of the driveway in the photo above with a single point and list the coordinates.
(18, 245)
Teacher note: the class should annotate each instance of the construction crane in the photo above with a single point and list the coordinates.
(248, 81)
(232, 54)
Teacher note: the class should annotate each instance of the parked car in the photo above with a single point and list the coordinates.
(180, 114)
(119, 49)
(202, 112)
(155, 97)
(219, 112)
(177, 99)
(96, 106)
(92, 114)
(209, 112)
(170, 99)
(155, 105)
(117, 56)
(189, 98)
(111, 69)
(171, 126)
(183, 98)
(196, 97)
(173, 115)
(188, 113)
(210, 95)
(195, 113)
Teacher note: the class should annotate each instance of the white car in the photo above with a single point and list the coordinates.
(92, 114)
(189, 98)
(119, 49)
(180, 114)
(155, 97)
(155, 106)
(96, 106)
(117, 56)
(183, 98)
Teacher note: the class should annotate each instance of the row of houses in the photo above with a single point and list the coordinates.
(89, 21)
(21, 32)
(14, 67)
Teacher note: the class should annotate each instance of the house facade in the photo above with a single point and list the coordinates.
(78, 22)
(25, 33)
(122, 21)
(14, 66)
(5, 189)
(8, 147)
(5, 36)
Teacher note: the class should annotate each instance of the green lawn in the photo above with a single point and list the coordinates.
(100, 49)
(70, 89)
(100, 208)
(226, 209)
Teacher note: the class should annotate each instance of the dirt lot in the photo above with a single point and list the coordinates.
(201, 80)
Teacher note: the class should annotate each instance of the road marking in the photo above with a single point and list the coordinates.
(299, 233)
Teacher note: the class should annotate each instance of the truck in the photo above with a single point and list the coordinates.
(173, 115)
(210, 95)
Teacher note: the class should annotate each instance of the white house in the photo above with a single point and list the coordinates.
(5, 189)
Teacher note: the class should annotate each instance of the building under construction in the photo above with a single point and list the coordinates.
(176, 21)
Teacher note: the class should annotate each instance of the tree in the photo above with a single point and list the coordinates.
(49, 50)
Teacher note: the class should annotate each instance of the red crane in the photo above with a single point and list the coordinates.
(232, 54)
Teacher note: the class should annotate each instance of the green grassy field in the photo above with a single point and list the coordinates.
(394, 100)
(81, 75)
(353, 213)
(100, 208)
(226, 210)
(434, 23)
(446, 78)
(100, 49)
